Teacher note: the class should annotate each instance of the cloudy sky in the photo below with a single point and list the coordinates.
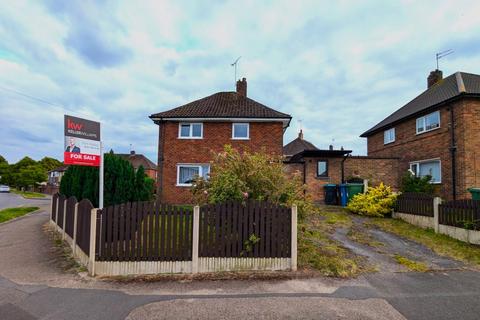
(338, 67)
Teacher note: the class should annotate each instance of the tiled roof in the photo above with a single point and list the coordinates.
(137, 160)
(452, 86)
(298, 145)
(222, 105)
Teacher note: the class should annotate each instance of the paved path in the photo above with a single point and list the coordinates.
(10, 200)
(34, 286)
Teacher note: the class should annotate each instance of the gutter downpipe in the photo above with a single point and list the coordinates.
(343, 166)
(453, 149)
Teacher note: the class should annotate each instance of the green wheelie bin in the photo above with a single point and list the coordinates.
(353, 189)
(475, 193)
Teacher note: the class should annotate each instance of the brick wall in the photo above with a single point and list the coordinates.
(409, 147)
(376, 170)
(266, 136)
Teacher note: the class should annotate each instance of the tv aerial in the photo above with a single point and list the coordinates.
(234, 64)
(442, 54)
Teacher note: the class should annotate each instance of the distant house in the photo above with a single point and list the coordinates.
(191, 133)
(137, 160)
(55, 175)
(436, 134)
(318, 167)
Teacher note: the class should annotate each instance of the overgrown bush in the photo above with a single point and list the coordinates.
(412, 183)
(376, 202)
(240, 176)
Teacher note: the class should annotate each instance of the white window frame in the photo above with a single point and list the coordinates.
(191, 130)
(424, 122)
(241, 138)
(190, 165)
(417, 163)
(386, 134)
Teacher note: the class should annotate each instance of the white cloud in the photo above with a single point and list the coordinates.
(340, 66)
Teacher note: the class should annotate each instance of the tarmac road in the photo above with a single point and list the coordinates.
(11, 200)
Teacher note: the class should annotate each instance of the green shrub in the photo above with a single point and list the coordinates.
(240, 176)
(377, 202)
(412, 183)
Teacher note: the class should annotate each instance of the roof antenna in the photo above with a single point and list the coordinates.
(443, 54)
(235, 65)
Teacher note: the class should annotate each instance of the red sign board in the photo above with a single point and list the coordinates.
(82, 142)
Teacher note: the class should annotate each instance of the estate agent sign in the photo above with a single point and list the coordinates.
(82, 142)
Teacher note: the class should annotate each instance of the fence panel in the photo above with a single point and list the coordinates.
(256, 229)
(61, 206)
(460, 213)
(54, 206)
(145, 231)
(69, 215)
(415, 203)
(83, 225)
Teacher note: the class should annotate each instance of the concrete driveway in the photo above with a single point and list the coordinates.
(10, 200)
(34, 286)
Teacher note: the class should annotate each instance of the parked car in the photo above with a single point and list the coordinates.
(4, 188)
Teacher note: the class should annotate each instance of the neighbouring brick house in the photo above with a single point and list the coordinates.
(191, 133)
(437, 134)
(137, 160)
(318, 167)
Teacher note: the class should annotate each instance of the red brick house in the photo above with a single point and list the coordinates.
(437, 134)
(318, 167)
(191, 133)
(137, 160)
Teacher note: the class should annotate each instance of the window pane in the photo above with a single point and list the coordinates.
(240, 130)
(185, 130)
(187, 174)
(385, 137)
(420, 124)
(431, 168)
(432, 121)
(196, 130)
(205, 171)
(322, 168)
(414, 168)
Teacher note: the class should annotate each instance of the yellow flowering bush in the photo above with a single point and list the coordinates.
(376, 202)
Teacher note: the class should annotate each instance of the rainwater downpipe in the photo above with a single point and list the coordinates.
(453, 149)
(343, 166)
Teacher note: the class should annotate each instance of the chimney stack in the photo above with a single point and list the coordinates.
(434, 77)
(242, 87)
(300, 134)
(132, 152)
(330, 147)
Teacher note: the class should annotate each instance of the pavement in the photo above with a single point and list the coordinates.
(33, 285)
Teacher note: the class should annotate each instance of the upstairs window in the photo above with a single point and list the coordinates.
(389, 136)
(190, 131)
(186, 173)
(431, 168)
(240, 131)
(429, 122)
(322, 168)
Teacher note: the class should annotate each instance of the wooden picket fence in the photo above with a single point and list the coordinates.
(460, 213)
(149, 237)
(415, 203)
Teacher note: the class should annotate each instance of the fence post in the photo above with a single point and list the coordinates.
(436, 202)
(51, 209)
(294, 238)
(93, 236)
(74, 242)
(195, 236)
(56, 215)
(64, 218)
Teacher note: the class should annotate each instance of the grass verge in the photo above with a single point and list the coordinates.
(410, 264)
(28, 194)
(11, 213)
(439, 243)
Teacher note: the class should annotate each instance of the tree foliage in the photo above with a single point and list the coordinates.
(412, 183)
(121, 183)
(26, 172)
(242, 175)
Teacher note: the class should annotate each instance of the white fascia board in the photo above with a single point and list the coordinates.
(285, 121)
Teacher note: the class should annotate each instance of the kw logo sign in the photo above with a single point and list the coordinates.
(73, 125)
